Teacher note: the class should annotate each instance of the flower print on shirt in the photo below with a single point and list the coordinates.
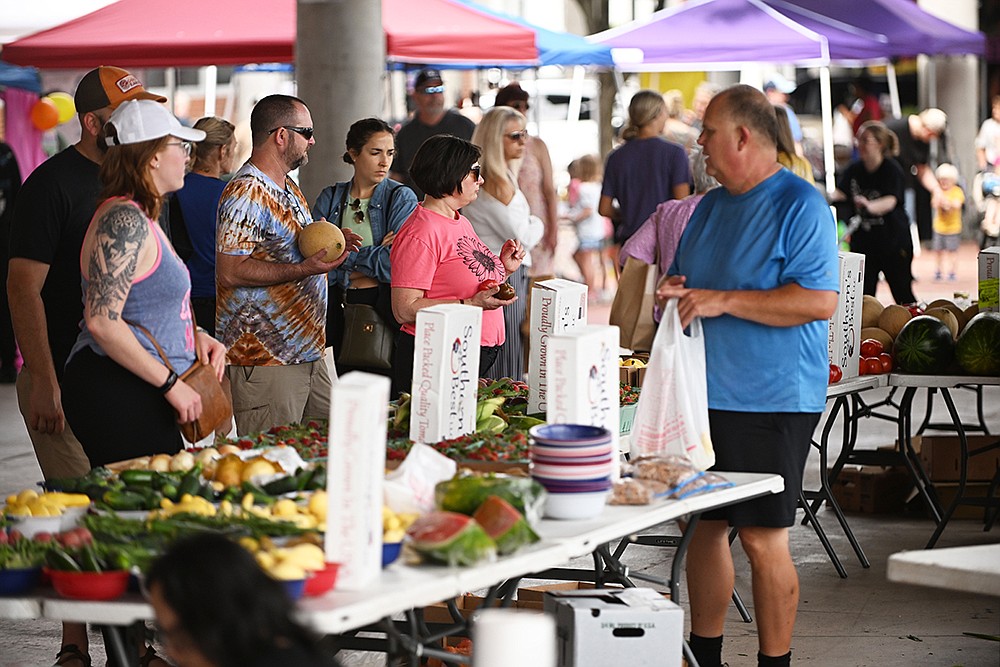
(480, 260)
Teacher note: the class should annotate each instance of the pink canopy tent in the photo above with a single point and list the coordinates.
(192, 33)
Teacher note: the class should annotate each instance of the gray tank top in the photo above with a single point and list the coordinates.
(159, 300)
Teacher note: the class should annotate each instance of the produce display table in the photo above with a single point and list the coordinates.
(944, 384)
(973, 569)
(843, 394)
(404, 587)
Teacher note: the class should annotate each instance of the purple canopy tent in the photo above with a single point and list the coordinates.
(728, 34)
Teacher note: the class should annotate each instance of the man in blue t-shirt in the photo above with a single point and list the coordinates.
(758, 263)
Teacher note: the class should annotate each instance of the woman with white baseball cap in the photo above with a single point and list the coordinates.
(120, 398)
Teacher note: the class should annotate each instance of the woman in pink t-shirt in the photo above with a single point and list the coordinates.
(438, 258)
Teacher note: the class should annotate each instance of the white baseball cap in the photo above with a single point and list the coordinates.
(135, 121)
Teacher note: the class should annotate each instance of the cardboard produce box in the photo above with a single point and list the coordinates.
(633, 626)
(872, 490)
(989, 279)
(844, 340)
(946, 492)
(557, 306)
(445, 372)
(583, 363)
(533, 597)
(941, 457)
(355, 473)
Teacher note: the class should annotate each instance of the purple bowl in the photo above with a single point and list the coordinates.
(589, 487)
(569, 434)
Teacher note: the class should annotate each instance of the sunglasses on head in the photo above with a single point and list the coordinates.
(306, 132)
(520, 135)
(475, 170)
(431, 90)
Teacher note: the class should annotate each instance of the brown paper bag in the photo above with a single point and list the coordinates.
(632, 308)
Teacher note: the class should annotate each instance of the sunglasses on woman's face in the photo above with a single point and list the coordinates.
(475, 171)
(520, 135)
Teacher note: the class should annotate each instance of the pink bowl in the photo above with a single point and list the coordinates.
(570, 472)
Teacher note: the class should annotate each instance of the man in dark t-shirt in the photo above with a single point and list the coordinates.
(430, 118)
(10, 183)
(51, 215)
(915, 133)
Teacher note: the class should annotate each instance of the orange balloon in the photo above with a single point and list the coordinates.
(45, 114)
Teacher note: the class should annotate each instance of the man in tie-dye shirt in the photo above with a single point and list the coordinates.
(271, 307)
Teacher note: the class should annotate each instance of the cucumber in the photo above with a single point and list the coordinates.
(137, 477)
(60, 560)
(88, 559)
(281, 485)
(123, 501)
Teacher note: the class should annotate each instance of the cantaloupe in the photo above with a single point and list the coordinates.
(893, 318)
(319, 235)
(967, 315)
(946, 316)
(879, 335)
(871, 308)
(950, 305)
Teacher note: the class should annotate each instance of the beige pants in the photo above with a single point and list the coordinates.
(266, 396)
(58, 454)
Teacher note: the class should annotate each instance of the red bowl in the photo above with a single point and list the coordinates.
(322, 581)
(89, 585)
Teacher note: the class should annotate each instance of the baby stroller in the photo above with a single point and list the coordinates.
(986, 193)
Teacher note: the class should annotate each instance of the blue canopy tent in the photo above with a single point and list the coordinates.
(25, 78)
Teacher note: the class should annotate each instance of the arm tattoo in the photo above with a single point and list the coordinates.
(121, 232)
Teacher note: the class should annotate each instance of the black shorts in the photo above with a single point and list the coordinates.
(774, 442)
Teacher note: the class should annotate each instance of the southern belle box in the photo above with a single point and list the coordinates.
(583, 363)
(355, 471)
(844, 342)
(557, 306)
(445, 372)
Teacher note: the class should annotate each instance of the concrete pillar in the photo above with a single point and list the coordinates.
(340, 69)
(957, 91)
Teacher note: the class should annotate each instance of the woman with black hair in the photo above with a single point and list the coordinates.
(374, 207)
(438, 258)
(215, 607)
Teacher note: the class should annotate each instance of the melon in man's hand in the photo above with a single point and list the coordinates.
(319, 235)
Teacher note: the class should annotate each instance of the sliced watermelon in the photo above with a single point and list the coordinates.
(451, 538)
(924, 345)
(466, 492)
(504, 524)
(978, 347)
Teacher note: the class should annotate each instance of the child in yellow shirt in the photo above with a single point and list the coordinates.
(948, 219)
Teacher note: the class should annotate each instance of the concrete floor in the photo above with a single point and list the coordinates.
(859, 621)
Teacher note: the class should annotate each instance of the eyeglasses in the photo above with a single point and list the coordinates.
(359, 215)
(306, 132)
(186, 146)
(432, 90)
(475, 170)
(520, 135)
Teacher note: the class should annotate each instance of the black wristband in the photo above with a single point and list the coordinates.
(462, 301)
(169, 384)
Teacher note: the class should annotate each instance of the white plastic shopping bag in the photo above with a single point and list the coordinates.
(672, 414)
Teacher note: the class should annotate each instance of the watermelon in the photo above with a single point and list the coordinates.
(978, 347)
(451, 538)
(466, 492)
(924, 346)
(504, 524)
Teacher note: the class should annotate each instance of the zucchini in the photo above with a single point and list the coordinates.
(88, 559)
(123, 501)
(137, 477)
(60, 560)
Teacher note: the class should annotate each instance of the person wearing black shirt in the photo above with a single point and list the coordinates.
(10, 183)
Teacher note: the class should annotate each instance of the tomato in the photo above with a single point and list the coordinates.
(872, 365)
(835, 373)
(487, 285)
(871, 347)
(862, 367)
(886, 359)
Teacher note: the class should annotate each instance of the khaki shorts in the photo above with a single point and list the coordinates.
(266, 396)
(58, 454)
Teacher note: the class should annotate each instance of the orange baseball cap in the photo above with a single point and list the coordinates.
(109, 86)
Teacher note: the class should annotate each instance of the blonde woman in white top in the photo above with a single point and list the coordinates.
(501, 212)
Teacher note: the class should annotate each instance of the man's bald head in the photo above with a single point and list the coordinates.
(745, 105)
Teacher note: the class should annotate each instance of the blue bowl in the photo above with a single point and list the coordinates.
(294, 588)
(390, 552)
(19, 580)
(567, 434)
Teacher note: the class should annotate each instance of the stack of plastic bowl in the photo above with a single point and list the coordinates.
(574, 463)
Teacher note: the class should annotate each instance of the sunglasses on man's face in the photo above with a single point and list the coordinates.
(431, 90)
(306, 132)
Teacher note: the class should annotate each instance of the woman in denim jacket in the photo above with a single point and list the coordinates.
(375, 207)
